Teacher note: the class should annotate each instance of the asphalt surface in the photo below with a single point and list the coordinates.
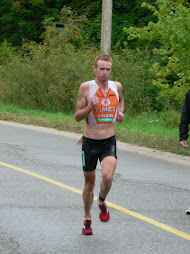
(41, 209)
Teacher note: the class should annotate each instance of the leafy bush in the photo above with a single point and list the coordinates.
(132, 70)
(171, 117)
(47, 75)
(172, 31)
(46, 79)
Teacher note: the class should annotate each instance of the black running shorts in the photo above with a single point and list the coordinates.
(94, 149)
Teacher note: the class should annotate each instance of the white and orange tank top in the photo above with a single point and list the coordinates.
(106, 109)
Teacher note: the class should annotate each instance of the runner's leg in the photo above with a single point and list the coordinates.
(88, 192)
(108, 168)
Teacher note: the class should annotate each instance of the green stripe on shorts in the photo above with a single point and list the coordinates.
(83, 159)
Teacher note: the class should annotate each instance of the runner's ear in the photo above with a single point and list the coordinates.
(94, 68)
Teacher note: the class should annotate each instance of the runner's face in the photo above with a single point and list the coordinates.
(103, 70)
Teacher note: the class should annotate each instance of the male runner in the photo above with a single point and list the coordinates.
(101, 103)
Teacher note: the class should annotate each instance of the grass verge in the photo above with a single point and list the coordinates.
(146, 130)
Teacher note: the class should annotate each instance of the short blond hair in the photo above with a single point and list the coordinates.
(104, 58)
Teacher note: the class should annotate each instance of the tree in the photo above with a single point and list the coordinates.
(24, 18)
(125, 13)
(173, 32)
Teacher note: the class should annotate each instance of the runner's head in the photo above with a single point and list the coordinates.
(102, 67)
(102, 57)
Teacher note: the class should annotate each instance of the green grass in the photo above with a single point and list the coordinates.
(151, 124)
(152, 130)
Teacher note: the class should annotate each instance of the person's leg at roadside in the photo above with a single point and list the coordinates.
(108, 168)
(88, 196)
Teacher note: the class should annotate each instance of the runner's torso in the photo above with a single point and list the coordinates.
(100, 121)
(106, 109)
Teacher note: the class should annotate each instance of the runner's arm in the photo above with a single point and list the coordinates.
(83, 108)
(121, 103)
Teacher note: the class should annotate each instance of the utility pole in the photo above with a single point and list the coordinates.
(106, 26)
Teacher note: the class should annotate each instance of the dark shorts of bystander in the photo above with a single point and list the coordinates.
(97, 149)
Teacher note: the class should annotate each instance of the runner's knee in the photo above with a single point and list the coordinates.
(89, 186)
(107, 177)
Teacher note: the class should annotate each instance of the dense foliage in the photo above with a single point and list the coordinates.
(24, 18)
(47, 50)
(172, 30)
(47, 75)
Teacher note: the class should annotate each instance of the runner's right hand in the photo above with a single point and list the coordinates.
(94, 100)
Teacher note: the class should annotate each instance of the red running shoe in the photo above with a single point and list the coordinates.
(87, 230)
(104, 213)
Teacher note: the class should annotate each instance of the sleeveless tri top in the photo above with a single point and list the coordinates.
(106, 109)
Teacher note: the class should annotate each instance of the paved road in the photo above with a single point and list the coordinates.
(41, 208)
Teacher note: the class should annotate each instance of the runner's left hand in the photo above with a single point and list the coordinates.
(120, 116)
